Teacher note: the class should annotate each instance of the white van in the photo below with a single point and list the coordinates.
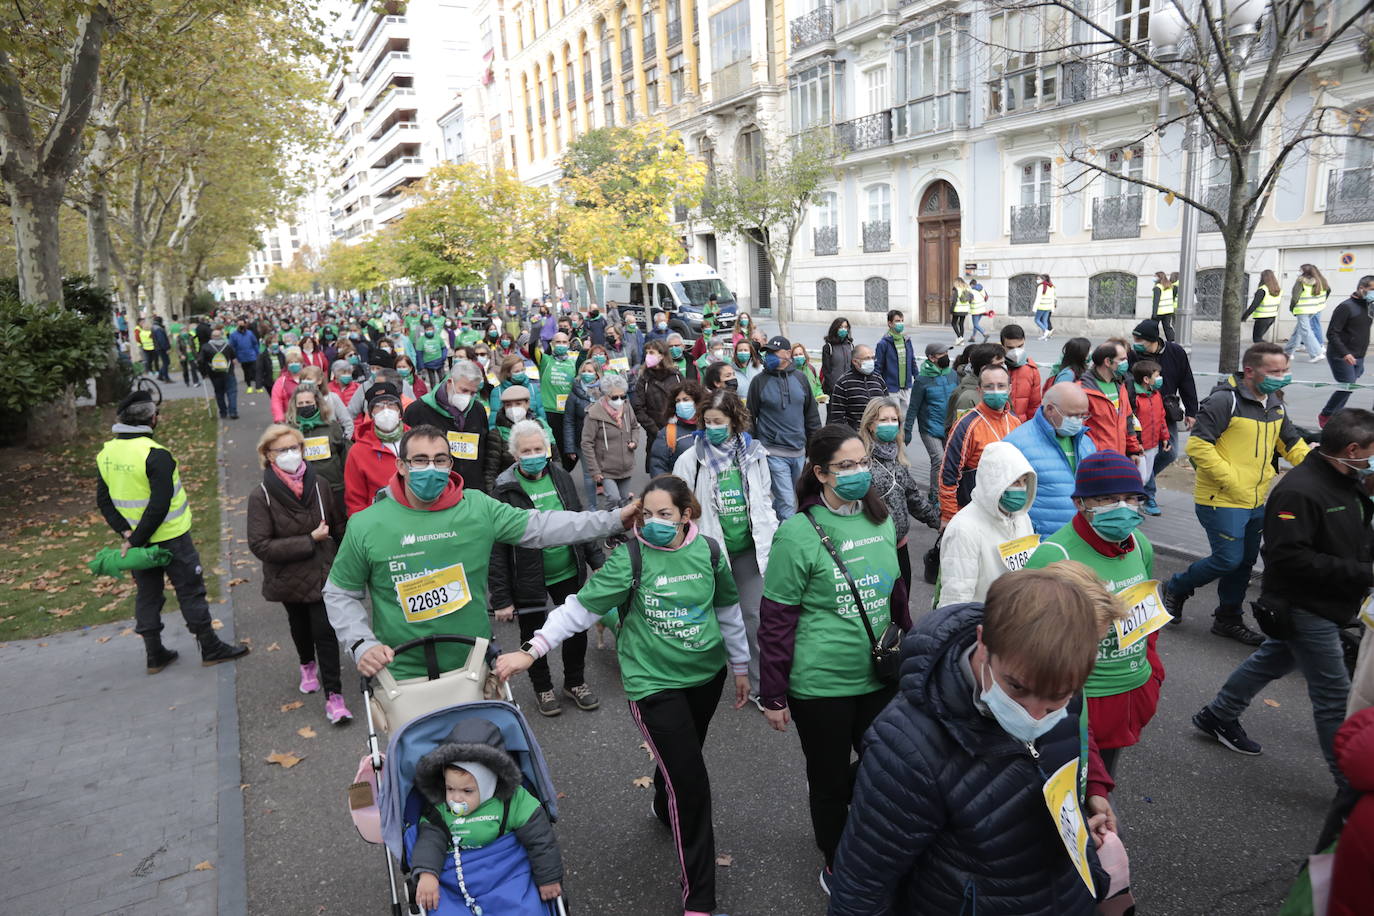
(681, 290)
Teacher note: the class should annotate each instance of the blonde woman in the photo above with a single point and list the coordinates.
(878, 428)
(286, 383)
(291, 516)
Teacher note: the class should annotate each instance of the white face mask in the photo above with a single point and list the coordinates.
(616, 402)
(387, 419)
(461, 401)
(866, 366)
(516, 414)
(289, 460)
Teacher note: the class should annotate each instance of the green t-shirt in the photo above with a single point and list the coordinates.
(483, 826)
(431, 348)
(469, 337)
(832, 652)
(1112, 392)
(559, 562)
(555, 381)
(1117, 670)
(426, 572)
(1069, 449)
(734, 512)
(670, 637)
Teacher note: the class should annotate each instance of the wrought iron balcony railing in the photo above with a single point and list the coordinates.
(1117, 217)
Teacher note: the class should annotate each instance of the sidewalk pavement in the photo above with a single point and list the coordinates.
(119, 792)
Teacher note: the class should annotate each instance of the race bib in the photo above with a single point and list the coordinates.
(533, 372)
(561, 402)
(1017, 551)
(317, 448)
(463, 446)
(492, 380)
(219, 362)
(433, 595)
(1061, 798)
(620, 364)
(1147, 613)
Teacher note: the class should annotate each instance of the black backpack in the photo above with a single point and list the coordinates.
(637, 567)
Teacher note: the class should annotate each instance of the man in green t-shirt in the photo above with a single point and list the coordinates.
(422, 556)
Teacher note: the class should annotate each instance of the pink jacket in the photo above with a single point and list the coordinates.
(282, 390)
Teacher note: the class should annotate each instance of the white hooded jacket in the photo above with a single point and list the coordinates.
(969, 555)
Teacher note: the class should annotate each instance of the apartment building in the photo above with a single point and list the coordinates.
(304, 232)
(954, 122)
(714, 71)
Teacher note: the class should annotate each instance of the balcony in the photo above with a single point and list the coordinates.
(650, 45)
(813, 28)
(389, 65)
(731, 80)
(1117, 217)
(1350, 195)
(877, 235)
(1054, 84)
(853, 12)
(386, 104)
(398, 133)
(402, 169)
(868, 132)
(385, 28)
(931, 114)
(674, 32)
(388, 207)
(1030, 224)
(1217, 196)
(825, 240)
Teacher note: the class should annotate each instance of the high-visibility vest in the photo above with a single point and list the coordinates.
(1269, 305)
(145, 339)
(1311, 300)
(963, 301)
(122, 464)
(1045, 301)
(1168, 299)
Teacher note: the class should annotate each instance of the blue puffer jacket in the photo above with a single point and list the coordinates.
(948, 816)
(1037, 440)
(930, 403)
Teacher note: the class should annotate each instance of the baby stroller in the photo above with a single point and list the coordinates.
(383, 801)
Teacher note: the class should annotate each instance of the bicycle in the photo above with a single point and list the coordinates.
(146, 383)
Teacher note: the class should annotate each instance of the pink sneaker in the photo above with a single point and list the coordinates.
(310, 677)
(335, 710)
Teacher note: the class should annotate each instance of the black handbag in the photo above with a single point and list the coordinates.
(932, 562)
(1274, 616)
(1173, 409)
(886, 649)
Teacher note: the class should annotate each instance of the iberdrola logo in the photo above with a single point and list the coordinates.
(661, 581)
(407, 540)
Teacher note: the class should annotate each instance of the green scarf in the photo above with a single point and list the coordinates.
(306, 424)
(393, 436)
(931, 369)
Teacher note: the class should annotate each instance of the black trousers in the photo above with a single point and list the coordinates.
(189, 373)
(188, 581)
(315, 641)
(956, 321)
(556, 421)
(250, 373)
(904, 563)
(574, 647)
(164, 364)
(674, 724)
(831, 730)
(1166, 324)
(1261, 329)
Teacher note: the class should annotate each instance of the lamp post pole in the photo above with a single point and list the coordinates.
(1187, 268)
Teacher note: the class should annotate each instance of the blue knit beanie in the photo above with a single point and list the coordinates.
(1106, 474)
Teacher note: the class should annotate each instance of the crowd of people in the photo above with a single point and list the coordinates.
(428, 470)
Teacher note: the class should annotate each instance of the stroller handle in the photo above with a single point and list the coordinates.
(428, 644)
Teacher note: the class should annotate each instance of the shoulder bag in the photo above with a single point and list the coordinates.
(886, 649)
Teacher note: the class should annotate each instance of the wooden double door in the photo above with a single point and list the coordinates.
(937, 264)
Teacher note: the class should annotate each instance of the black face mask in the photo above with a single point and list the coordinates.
(943, 362)
(732, 384)
(308, 411)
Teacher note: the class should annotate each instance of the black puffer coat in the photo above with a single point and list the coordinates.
(948, 815)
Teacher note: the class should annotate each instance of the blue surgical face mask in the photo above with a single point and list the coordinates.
(1369, 296)
(1012, 716)
(853, 485)
(771, 361)
(428, 483)
(658, 532)
(1362, 471)
(1070, 427)
(685, 409)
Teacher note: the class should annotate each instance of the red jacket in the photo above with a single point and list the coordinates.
(315, 357)
(1110, 426)
(1352, 877)
(1025, 390)
(345, 392)
(1149, 412)
(369, 467)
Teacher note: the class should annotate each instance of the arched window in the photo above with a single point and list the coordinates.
(1021, 294)
(1112, 295)
(875, 294)
(825, 295)
(1208, 299)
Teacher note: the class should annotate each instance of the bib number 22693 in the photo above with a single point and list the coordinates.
(434, 594)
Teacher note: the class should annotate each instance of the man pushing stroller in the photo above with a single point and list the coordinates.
(484, 843)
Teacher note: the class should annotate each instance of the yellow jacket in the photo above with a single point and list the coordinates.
(1232, 447)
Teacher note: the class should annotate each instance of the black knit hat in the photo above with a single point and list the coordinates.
(133, 397)
(380, 391)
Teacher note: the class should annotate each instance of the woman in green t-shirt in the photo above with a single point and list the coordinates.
(815, 653)
(679, 622)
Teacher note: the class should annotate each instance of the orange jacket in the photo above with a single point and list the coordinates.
(1025, 390)
(964, 447)
(1110, 426)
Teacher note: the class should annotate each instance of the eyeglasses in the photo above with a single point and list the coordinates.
(844, 467)
(422, 463)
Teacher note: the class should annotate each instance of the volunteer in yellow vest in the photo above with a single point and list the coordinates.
(1264, 307)
(1309, 296)
(1044, 306)
(144, 335)
(141, 497)
(456, 407)
(1241, 426)
(1165, 302)
(422, 555)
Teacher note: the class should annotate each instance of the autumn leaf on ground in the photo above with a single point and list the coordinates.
(725, 859)
(275, 647)
(644, 782)
(1273, 703)
(306, 732)
(103, 639)
(286, 761)
(217, 624)
(294, 704)
(644, 746)
(236, 582)
(206, 866)
(127, 631)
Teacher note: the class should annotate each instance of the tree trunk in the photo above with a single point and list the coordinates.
(591, 285)
(1237, 242)
(53, 423)
(34, 211)
(782, 314)
(98, 241)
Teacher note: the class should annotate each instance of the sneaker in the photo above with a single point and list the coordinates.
(547, 703)
(1152, 508)
(1237, 630)
(336, 711)
(1318, 358)
(827, 875)
(1230, 734)
(160, 658)
(584, 698)
(214, 650)
(653, 809)
(1173, 603)
(310, 678)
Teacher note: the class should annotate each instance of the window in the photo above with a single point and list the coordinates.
(1024, 76)
(825, 295)
(1359, 154)
(651, 89)
(875, 294)
(749, 153)
(825, 211)
(1021, 293)
(603, 38)
(1111, 295)
(1132, 26)
(587, 71)
(626, 37)
(1035, 183)
(627, 89)
(1127, 161)
(880, 203)
(812, 93)
(929, 90)
(646, 16)
(875, 88)
(485, 27)
(608, 108)
(674, 22)
(677, 77)
(730, 49)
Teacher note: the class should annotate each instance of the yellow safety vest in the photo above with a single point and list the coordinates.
(1045, 301)
(122, 464)
(145, 339)
(1168, 299)
(1268, 307)
(962, 305)
(1310, 301)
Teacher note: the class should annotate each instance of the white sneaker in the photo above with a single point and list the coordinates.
(1318, 358)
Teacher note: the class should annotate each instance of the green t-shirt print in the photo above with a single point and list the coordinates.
(832, 652)
(734, 511)
(483, 826)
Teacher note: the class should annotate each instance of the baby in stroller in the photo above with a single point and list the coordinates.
(481, 835)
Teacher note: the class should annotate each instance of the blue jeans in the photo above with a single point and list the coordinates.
(1341, 371)
(1234, 536)
(1315, 323)
(1042, 320)
(1163, 458)
(1307, 333)
(1315, 649)
(785, 472)
(226, 392)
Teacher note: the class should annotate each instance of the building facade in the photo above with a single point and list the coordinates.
(955, 123)
(304, 233)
